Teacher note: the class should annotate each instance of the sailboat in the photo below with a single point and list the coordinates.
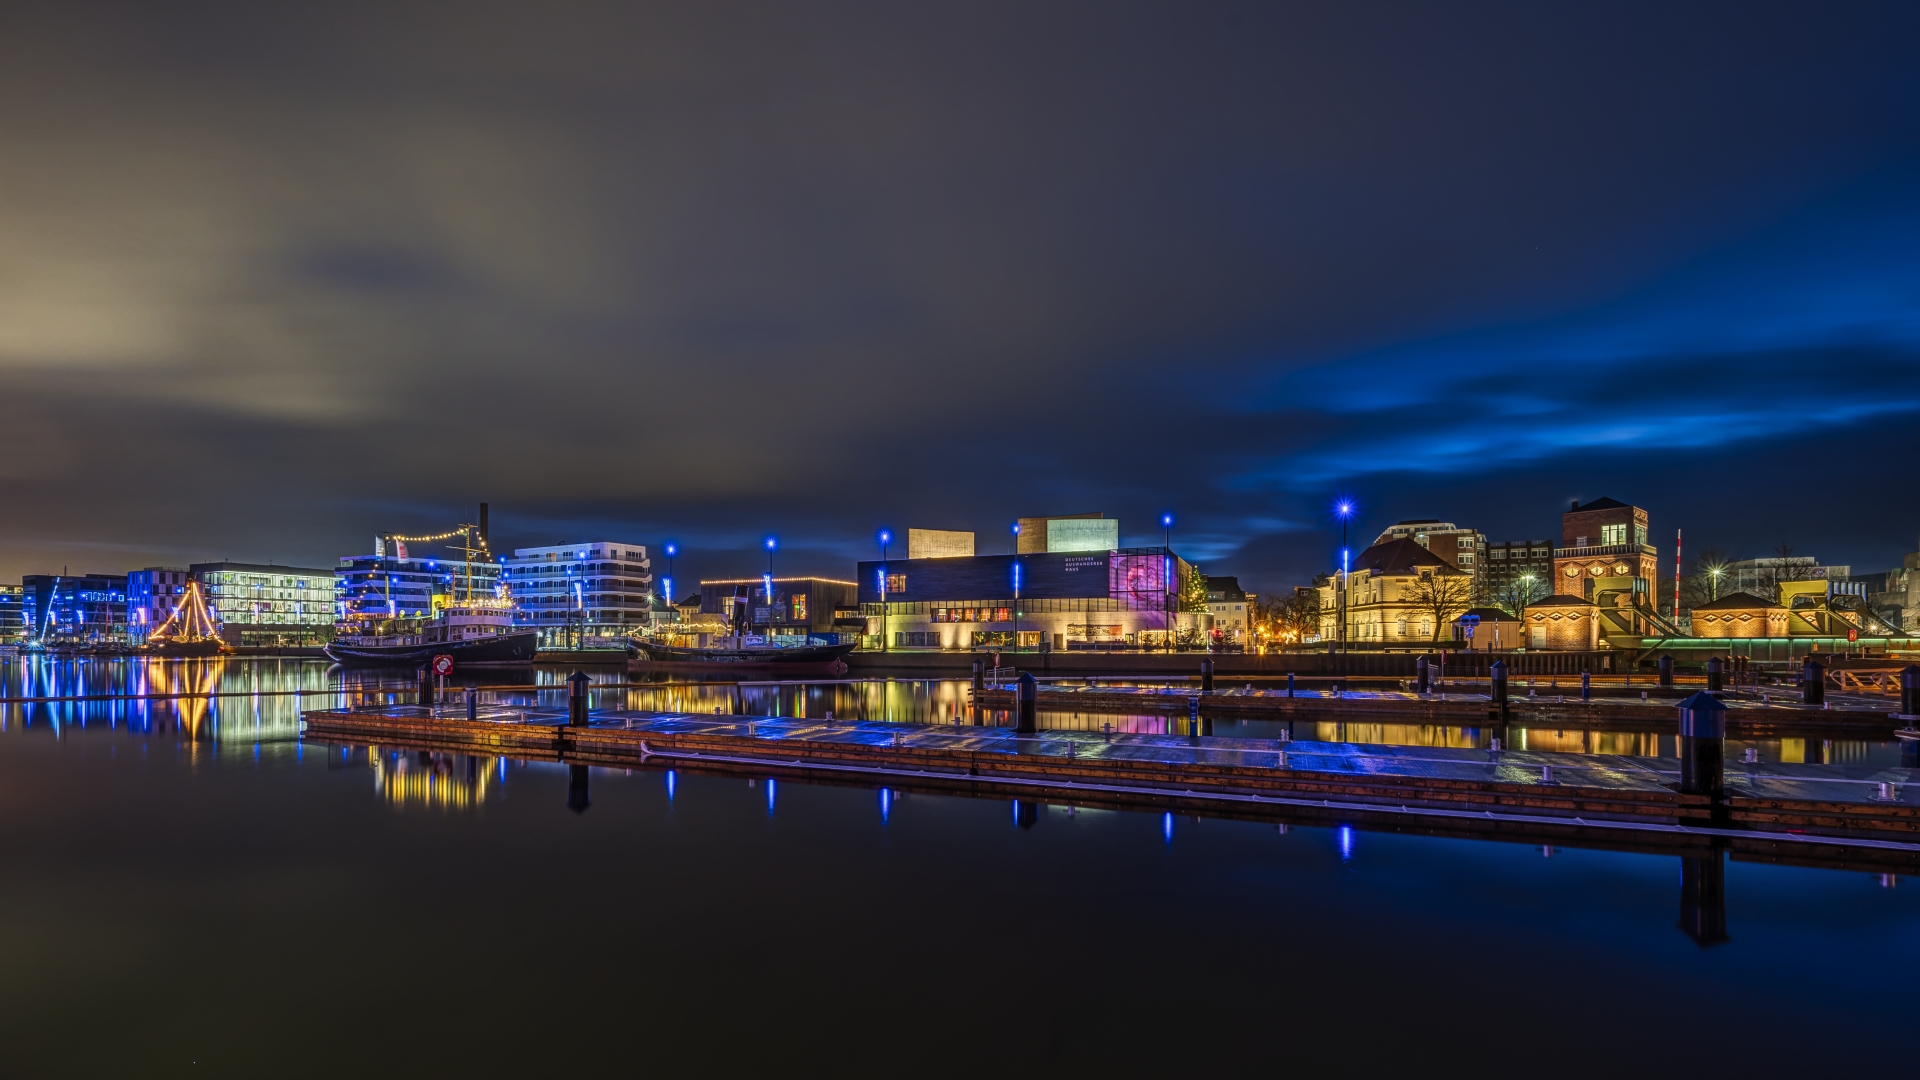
(189, 631)
(476, 629)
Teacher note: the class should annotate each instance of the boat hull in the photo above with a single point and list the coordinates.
(504, 650)
(796, 659)
(203, 647)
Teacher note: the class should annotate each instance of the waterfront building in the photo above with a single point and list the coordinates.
(594, 589)
(1070, 599)
(262, 604)
(1489, 628)
(88, 609)
(1232, 610)
(1604, 558)
(1516, 572)
(1562, 621)
(1071, 532)
(795, 607)
(1739, 615)
(939, 544)
(1763, 577)
(151, 595)
(397, 585)
(1398, 592)
(13, 619)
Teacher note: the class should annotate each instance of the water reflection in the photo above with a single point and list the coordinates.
(442, 781)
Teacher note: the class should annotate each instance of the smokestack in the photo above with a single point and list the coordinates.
(1576, 506)
(483, 521)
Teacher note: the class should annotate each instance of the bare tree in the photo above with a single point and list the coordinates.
(1289, 617)
(1441, 594)
(1517, 594)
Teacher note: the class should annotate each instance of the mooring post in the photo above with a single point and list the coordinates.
(1703, 898)
(426, 686)
(1193, 716)
(473, 703)
(577, 699)
(1703, 751)
(1289, 684)
(1423, 674)
(979, 680)
(1206, 676)
(1910, 696)
(1813, 682)
(577, 789)
(1029, 696)
(1666, 672)
(1586, 686)
(1713, 675)
(1497, 680)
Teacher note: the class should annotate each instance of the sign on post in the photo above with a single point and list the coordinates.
(443, 665)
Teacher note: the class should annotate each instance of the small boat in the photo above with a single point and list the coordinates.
(476, 633)
(745, 655)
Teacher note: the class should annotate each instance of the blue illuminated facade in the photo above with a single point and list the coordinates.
(405, 588)
(85, 609)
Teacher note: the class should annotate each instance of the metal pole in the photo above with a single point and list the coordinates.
(1703, 728)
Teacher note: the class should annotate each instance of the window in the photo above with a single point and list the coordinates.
(896, 583)
(1426, 628)
(1466, 558)
(1402, 628)
(799, 607)
(1497, 553)
(1613, 534)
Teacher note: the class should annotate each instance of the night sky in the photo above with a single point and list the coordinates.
(274, 277)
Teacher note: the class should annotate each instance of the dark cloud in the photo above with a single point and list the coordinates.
(275, 276)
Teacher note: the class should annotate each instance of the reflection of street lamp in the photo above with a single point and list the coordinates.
(885, 538)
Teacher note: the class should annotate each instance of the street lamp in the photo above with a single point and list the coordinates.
(885, 538)
(771, 544)
(1344, 510)
(1166, 620)
(666, 583)
(1016, 587)
(1713, 578)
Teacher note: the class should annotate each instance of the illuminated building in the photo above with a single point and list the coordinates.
(1232, 610)
(1398, 592)
(1463, 549)
(151, 595)
(270, 605)
(1739, 615)
(598, 589)
(1056, 599)
(939, 544)
(13, 620)
(1562, 621)
(87, 609)
(1516, 571)
(1072, 532)
(800, 607)
(391, 583)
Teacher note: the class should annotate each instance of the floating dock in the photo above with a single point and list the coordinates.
(1863, 809)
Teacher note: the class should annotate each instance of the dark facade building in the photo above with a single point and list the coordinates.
(151, 596)
(1516, 572)
(790, 607)
(1050, 600)
(90, 609)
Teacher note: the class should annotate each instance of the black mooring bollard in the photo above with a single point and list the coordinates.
(1423, 674)
(1029, 694)
(1910, 695)
(1206, 676)
(1497, 682)
(1586, 686)
(1813, 682)
(473, 703)
(1025, 813)
(577, 699)
(1703, 898)
(1666, 672)
(1703, 751)
(426, 686)
(1289, 684)
(577, 789)
(979, 680)
(1713, 675)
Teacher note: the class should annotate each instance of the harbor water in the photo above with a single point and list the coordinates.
(191, 889)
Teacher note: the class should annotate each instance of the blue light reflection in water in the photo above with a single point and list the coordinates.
(1166, 826)
(1346, 842)
(769, 796)
(671, 778)
(886, 801)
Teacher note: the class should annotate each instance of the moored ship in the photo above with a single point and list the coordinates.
(477, 632)
(190, 631)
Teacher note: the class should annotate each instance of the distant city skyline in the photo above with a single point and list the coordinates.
(274, 282)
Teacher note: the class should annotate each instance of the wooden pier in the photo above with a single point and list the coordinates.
(1859, 808)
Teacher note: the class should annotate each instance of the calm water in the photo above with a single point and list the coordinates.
(189, 890)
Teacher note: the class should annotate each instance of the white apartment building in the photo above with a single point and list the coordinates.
(600, 588)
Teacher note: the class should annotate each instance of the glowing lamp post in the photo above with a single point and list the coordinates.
(1016, 586)
(885, 538)
(1166, 622)
(1345, 512)
(666, 583)
(771, 544)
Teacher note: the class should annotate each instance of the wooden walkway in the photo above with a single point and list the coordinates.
(1782, 802)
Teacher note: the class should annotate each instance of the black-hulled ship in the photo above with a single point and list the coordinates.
(477, 632)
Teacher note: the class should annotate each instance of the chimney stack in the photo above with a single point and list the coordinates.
(1576, 506)
(483, 521)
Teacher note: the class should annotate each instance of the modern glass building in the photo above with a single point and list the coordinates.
(269, 605)
(90, 609)
(151, 596)
(595, 589)
(13, 620)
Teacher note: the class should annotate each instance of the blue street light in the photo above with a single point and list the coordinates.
(1016, 586)
(885, 538)
(672, 549)
(1343, 509)
(771, 544)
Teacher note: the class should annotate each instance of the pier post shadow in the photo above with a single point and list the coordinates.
(1025, 813)
(1703, 898)
(577, 800)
